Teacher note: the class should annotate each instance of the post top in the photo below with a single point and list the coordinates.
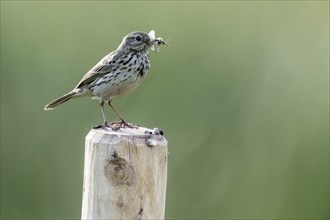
(130, 131)
(139, 135)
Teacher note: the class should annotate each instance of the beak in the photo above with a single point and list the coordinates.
(149, 42)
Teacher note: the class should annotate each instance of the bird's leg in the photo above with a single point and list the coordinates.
(103, 115)
(122, 121)
(105, 124)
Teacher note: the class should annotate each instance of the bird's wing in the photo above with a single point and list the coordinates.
(103, 67)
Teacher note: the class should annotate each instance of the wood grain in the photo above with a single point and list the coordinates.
(125, 174)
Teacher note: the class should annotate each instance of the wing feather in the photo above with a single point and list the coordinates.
(101, 68)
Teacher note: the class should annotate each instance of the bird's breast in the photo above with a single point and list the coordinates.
(127, 74)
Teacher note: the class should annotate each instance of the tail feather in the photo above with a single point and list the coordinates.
(60, 100)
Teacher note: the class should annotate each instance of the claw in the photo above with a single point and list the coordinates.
(116, 125)
(105, 125)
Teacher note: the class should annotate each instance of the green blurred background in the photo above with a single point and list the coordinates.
(242, 94)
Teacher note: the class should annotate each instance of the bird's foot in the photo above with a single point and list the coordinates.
(105, 125)
(116, 125)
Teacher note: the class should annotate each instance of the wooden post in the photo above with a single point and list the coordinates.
(125, 174)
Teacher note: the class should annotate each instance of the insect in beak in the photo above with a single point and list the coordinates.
(155, 42)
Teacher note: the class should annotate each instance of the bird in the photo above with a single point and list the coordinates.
(117, 74)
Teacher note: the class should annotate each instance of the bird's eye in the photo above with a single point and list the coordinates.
(138, 38)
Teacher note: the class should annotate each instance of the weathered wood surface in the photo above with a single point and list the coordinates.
(125, 174)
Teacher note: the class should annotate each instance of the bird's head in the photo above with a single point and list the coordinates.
(137, 41)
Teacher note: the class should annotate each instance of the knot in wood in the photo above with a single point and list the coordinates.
(118, 171)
